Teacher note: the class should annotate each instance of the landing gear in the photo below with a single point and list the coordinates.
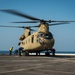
(47, 53)
(20, 51)
(37, 53)
(50, 53)
(53, 52)
(26, 53)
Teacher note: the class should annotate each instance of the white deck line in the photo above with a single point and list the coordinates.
(65, 54)
(55, 54)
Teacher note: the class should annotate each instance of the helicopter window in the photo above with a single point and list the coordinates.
(49, 35)
(46, 36)
(41, 34)
(37, 40)
(29, 33)
(32, 38)
(37, 36)
(23, 43)
(26, 41)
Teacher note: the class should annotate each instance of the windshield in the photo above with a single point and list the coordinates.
(49, 35)
(46, 36)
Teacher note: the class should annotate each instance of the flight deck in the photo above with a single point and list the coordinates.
(37, 65)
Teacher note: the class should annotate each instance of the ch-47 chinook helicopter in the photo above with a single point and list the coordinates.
(42, 40)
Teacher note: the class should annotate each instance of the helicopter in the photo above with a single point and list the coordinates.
(41, 40)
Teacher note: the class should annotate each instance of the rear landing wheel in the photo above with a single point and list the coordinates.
(47, 53)
(36, 53)
(26, 53)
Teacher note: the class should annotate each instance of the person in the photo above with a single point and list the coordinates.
(16, 52)
(11, 50)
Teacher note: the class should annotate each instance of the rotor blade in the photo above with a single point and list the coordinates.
(18, 27)
(54, 24)
(12, 26)
(32, 30)
(20, 14)
(59, 23)
(26, 22)
(35, 26)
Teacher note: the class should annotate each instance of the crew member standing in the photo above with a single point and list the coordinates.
(11, 50)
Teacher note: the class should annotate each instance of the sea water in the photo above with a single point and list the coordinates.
(57, 52)
(5, 52)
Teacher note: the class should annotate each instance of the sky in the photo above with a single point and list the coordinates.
(64, 35)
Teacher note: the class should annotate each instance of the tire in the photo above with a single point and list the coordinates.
(26, 53)
(47, 54)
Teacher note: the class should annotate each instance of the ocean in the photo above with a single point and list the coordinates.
(57, 52)
(5, 52)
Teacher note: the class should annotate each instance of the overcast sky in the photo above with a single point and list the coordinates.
(44, 9)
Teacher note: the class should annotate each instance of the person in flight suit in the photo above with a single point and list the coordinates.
(11, 50)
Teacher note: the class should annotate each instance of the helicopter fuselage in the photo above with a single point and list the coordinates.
(38, 41)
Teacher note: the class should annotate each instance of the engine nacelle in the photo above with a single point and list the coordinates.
(22, 37)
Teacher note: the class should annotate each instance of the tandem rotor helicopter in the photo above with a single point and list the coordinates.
(41, 40)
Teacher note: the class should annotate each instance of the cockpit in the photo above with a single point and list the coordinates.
(46, 36)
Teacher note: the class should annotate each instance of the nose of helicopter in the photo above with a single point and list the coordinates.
(47, 43)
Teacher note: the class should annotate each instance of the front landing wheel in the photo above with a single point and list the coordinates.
(53, 52)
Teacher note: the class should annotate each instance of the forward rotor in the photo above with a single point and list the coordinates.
(35, 20)
(29, 27)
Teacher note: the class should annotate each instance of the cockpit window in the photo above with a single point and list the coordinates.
(49, 35)
(46, 36)
(41, 34)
